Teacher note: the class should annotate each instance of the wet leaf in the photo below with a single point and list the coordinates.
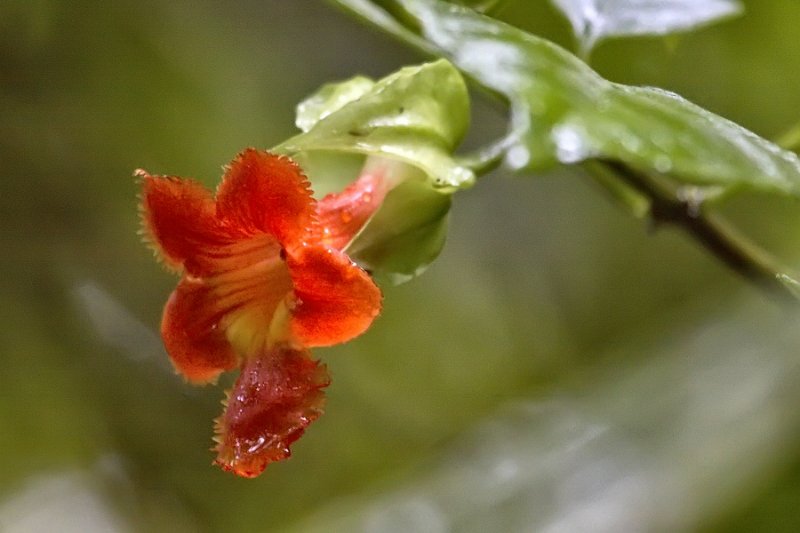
(329, 99)
(595, 20)
(564, 112)
(417, 115)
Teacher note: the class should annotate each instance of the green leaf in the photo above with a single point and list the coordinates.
(404, 127)
(417, 115)
(371, 13)
(595, 20)
(483, 6)
(329, 99)
(563, 111)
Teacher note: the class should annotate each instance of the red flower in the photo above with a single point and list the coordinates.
(342, 215)
(262, 280)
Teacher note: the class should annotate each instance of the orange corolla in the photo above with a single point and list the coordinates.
(263, 280)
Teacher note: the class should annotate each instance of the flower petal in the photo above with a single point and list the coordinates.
(255, 284)
(262, 192)
(192, 334)
(341, 216)
(179, 219)
(276, 397)
(334, 299)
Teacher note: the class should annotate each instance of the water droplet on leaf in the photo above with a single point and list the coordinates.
(570, 144)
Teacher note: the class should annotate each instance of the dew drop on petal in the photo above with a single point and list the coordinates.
(278, 394)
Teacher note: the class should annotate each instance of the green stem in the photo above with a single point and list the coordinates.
(387, 15)
(487, 158)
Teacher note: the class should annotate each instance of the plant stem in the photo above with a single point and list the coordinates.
(710, 231)
(487, 158)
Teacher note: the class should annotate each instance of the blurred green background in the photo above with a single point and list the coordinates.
(559, 368)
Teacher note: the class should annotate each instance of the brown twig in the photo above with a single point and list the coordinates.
(710, 231)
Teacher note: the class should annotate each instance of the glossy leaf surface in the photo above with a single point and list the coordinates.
(417, 115)
(595, 20)
(564, 112)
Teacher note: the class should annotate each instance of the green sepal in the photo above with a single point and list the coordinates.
(417, 115)
(409, 123)
(330, 98)
(405, 235)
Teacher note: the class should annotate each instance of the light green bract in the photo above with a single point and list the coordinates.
(329, 99)
(414, 119)
(417, 115)
(563, 111)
